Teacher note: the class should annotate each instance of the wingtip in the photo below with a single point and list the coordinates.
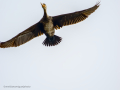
(98, 3)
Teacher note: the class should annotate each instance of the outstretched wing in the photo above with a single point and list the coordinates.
(73, 18)
(25, 36)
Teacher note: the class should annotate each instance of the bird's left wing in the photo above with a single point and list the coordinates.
(73, 18)
(25, 36)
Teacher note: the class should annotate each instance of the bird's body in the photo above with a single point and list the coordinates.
(47, 26)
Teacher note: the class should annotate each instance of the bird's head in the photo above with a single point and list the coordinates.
(44, 6)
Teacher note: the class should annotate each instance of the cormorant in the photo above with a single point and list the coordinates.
(47, 26)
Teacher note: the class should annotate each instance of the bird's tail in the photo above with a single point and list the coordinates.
(52, 41)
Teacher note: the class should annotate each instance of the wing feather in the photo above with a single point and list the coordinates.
(25, 36)
(73, 18)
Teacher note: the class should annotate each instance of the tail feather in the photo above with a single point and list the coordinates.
(55, 40)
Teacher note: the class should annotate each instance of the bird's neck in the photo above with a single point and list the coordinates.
(45, 13)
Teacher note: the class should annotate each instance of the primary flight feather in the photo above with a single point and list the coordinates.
(47, 26)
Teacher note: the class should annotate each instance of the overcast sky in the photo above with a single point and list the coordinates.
(88, 58)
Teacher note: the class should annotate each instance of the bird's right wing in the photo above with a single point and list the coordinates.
(73, 18)
(25, 36)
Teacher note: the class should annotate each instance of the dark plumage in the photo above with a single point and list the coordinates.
(47, 26)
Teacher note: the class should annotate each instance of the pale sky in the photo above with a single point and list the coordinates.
(88, 58)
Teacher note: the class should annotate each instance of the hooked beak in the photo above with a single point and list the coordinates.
(42, 4)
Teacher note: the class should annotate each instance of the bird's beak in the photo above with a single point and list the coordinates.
(42, 5)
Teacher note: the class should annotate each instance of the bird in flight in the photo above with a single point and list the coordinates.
(47, 26)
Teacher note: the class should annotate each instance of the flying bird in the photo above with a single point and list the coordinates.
(47, 26)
